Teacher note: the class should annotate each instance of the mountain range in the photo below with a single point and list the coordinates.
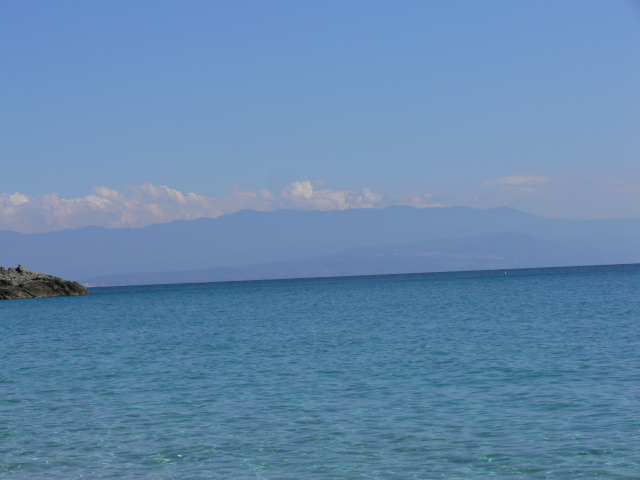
(290, 243)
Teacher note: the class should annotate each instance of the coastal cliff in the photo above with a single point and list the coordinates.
(21, 283)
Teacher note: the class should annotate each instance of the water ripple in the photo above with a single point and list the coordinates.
(530, 376)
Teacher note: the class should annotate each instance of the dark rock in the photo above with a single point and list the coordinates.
(21, 283)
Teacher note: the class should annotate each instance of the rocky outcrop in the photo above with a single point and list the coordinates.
(21, 283)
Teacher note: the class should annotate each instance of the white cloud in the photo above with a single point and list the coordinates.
(18, 199)
(105, 192)
(513, 180)
(143, 205)
(302, 195)
(418, 200)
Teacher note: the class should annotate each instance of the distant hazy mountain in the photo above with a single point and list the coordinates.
(483, 252)
(288, 243)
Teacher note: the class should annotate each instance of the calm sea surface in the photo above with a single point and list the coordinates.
(525, 375)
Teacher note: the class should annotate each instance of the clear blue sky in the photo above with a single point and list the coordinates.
(399, 97)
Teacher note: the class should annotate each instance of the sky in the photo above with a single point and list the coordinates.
(122, 114)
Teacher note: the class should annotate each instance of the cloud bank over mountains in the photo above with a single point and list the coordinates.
(145, 204)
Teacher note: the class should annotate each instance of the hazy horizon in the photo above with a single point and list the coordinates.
(131, 113)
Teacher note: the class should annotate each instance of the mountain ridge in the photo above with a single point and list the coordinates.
(248, 237)
(484, 252)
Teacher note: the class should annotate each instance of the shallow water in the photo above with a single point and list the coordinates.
(534, 375)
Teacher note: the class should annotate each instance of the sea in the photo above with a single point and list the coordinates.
(519, 374)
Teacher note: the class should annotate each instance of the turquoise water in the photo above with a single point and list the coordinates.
(526, 375)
